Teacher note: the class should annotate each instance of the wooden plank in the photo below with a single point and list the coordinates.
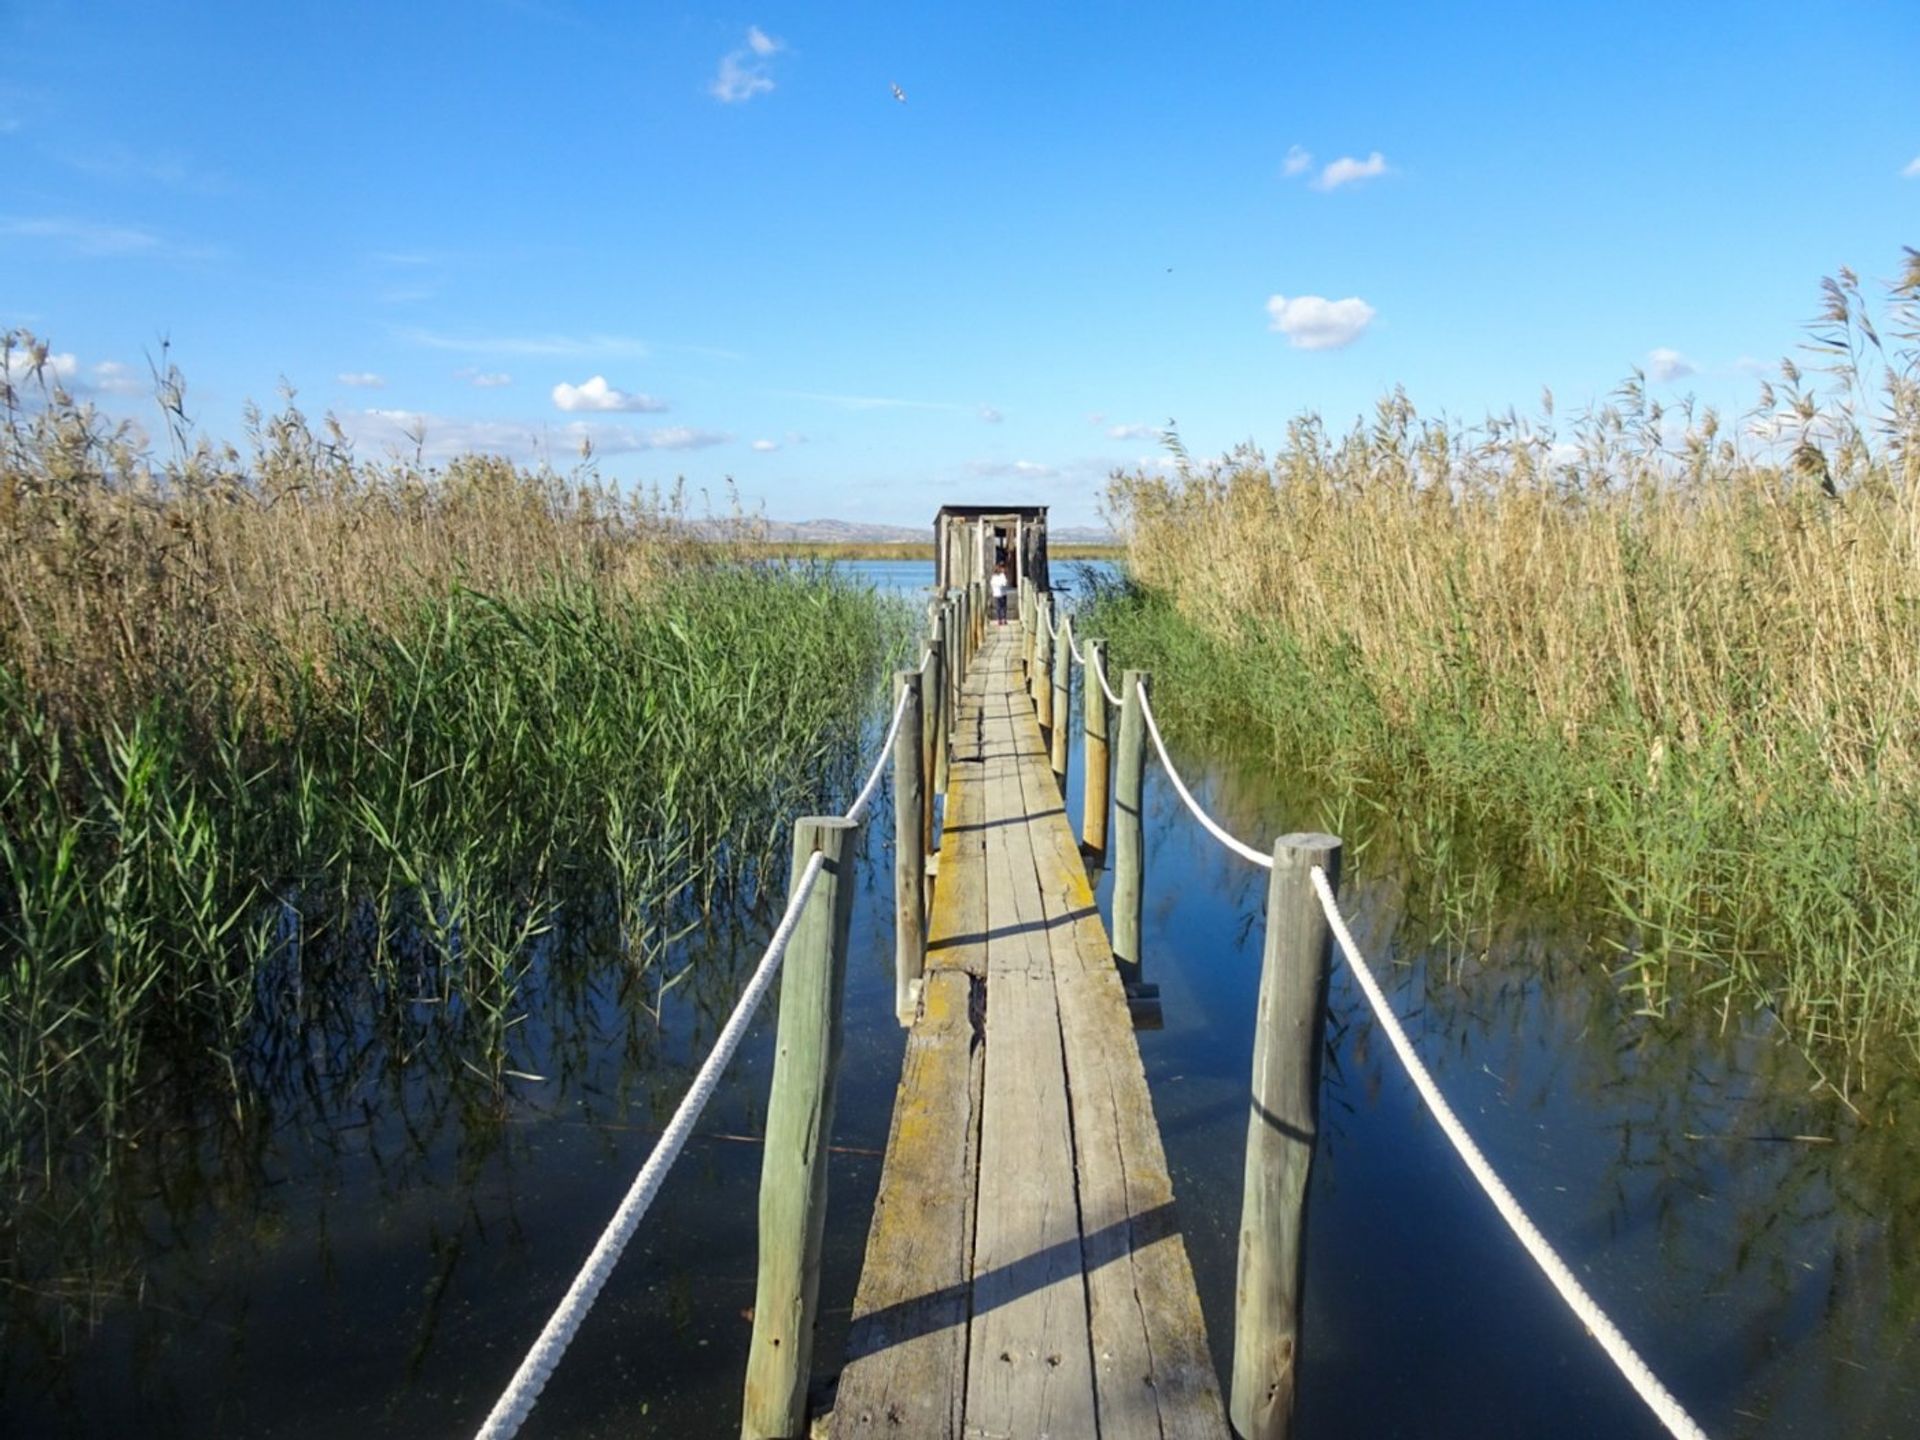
(1029, 1362)
(957, 921)
(907, 1351)
(1025, 1276)
(1153, 1371)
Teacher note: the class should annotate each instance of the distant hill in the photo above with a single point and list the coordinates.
(851, 532)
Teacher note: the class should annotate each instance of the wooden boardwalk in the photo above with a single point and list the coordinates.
(1025, 1274)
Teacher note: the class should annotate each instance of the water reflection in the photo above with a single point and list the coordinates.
(372, 1242)
(1751, 1237)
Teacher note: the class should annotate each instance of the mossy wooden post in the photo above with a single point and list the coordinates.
(909, 847)
(1282, 1121)
(1093, 709)
(1062, 704)
(933, 734)
(1129, 835)
(793, 1166)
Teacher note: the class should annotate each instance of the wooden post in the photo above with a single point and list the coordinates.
(793, 1167)
(1093, 709)
(1129, 837)
(1282, 1122)
(1026, 630)
(1043, 665)
(956, 663)
(933, 732)
(909, 848)
(1062, 704)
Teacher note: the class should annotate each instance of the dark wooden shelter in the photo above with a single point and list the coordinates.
(970, 540)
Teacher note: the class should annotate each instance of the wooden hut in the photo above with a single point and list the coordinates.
(969, 540)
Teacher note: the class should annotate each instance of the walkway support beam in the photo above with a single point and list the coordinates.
(1283, 1121)
(793, 1167)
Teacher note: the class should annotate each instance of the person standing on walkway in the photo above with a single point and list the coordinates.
(999, 587)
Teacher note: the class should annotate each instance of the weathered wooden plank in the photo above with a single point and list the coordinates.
(957, 921)
(1153, 1371)
(907, 1351)
(1025, 1275)
(1029, 1370)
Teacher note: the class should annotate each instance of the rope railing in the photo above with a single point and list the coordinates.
(1212, 826)
(1626, 1359)
(857, 811)
(1645, 1383)
(517, 1400)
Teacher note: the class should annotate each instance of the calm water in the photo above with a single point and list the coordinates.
(375, 1259)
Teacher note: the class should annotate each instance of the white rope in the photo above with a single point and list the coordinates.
(516, 1402)
(1238, 847)
(514, 1405)
(1659, 1399)
(858, 810)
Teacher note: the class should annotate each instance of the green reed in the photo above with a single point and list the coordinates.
(424, 794)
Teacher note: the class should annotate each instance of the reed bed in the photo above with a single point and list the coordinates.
(1663, 658)
(306, 754)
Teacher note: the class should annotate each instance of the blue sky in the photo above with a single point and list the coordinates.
(715, 242)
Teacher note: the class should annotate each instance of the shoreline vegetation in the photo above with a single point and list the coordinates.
(315, 762)
(1651, 663)
(829, 550)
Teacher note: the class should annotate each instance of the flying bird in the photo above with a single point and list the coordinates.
(899, 94)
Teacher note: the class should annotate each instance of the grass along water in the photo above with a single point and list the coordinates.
(307, 756)
(1674, 672)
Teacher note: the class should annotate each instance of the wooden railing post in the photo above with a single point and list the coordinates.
(909, 847)
(956, 662)
(1093, 709)
(1027, 606)
(1062, 705)
(1129, 836)
(933, 731)
(793, 1167)
(1043, 665)
(1282, 1123)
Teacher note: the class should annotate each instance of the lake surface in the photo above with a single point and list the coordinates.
(376, 1258)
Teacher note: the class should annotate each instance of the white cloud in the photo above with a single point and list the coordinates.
(543, 346)
(110, 377)
(1298, 161)
(1912, 169)
(1012, 469)
(18, 365)
(1313, 322)
(1349, 171)
(82, 237)
(363, 380)
(870, 402)
(1134, 432)
(991, 415)
(443, 437)
(486, 379)
(743, 72)
(1667, 365)
(105, 377)
(765, 445)
(596, 394)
